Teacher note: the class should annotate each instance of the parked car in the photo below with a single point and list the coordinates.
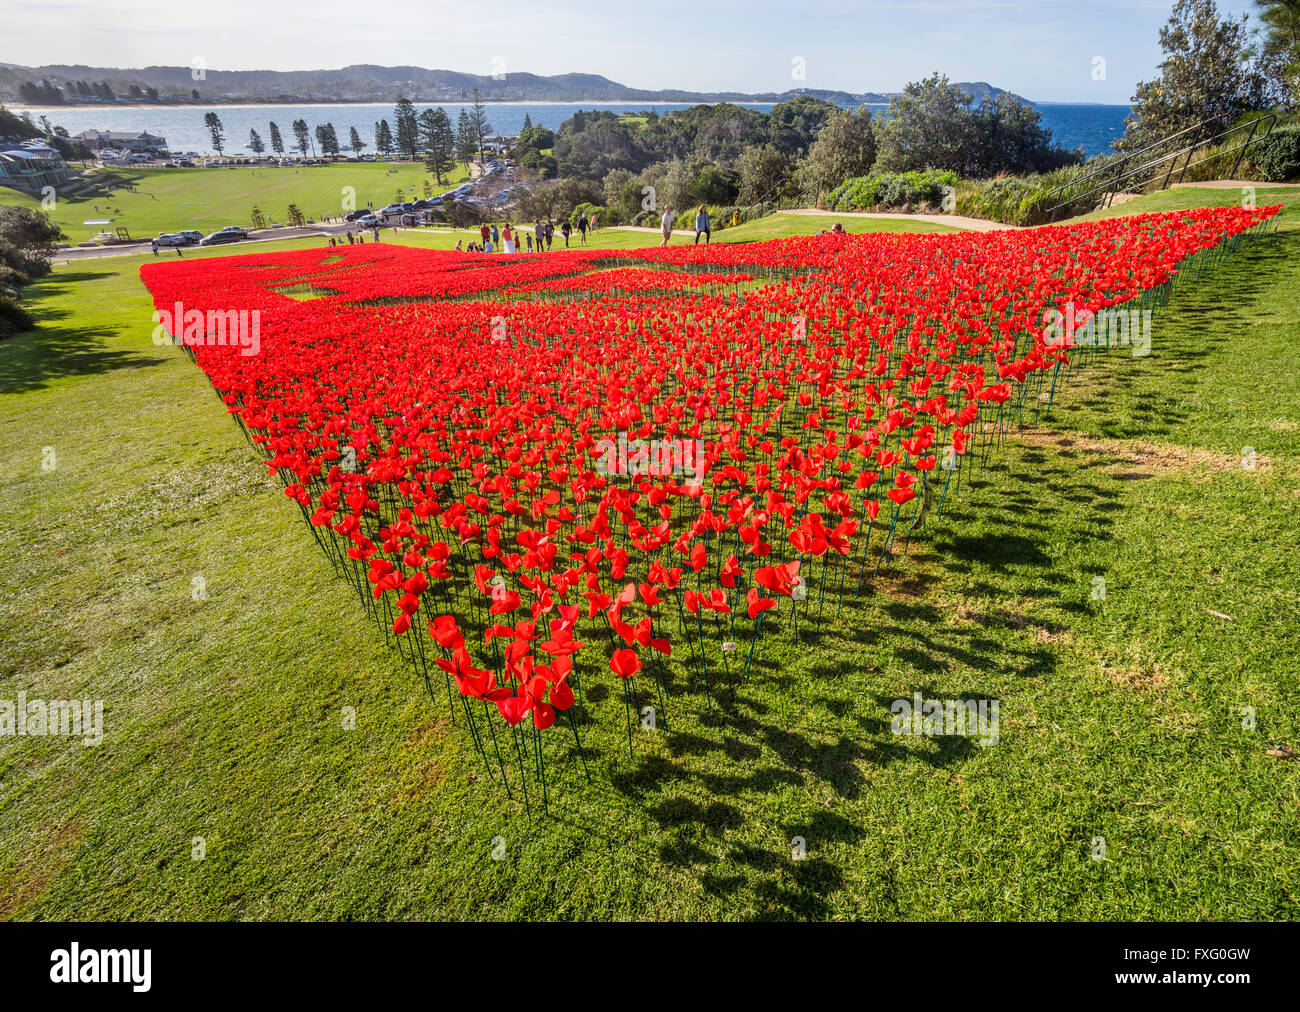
(192, 236)
(369, 221)
(391, 209)
(242, 232)
(217, 238)
(355, 215)
(169, 239)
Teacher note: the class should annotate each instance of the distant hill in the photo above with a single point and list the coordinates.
(372, 83)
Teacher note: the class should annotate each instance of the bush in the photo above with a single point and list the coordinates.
(892, 189)
(1278, 155)
(588, 209)
(13, 317)
(1028, 200)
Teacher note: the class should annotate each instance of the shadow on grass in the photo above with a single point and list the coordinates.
(58, 348)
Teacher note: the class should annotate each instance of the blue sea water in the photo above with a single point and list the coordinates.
(1090, 127)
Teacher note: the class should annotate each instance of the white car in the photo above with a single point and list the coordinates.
(167, 239)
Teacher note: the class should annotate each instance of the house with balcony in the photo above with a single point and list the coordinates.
(31, 166)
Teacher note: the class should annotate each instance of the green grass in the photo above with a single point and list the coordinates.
(1119, 718)
(172, 200)
(1192, 196)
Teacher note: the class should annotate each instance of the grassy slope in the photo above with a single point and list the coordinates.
(230, 193)
(1119, 718)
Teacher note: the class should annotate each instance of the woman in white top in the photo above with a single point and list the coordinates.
(666, 222)
(508, 239)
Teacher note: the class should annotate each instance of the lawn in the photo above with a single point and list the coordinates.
(170, 200)
(1121, 718)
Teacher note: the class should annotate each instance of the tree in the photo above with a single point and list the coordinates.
(1204, 74)
(439, 143)
(296, 217)
(358, 145)
(479, 123)
(277, 143)
(255, 144)
(301, 132)
(929, 125)
(762, 170)
(1279, 50)
(528, 123)
(845, 147)
(327, 139)
(408, 129)
(383, 138)
(464, 138)
(213, 122)
(27, 239)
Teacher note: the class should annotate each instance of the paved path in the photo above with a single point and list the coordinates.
(955, 220)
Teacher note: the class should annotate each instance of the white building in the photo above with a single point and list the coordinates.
(124, 140)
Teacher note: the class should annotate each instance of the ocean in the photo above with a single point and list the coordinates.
(1090, 127)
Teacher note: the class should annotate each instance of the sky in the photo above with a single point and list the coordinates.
(1045, 50)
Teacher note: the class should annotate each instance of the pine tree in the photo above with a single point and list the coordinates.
(301, 132)
(383, 138)
(439, 144)
(255, 144)
(408, 129)
(218, 134)
(358, 145)
(277, 143)
(464, 138)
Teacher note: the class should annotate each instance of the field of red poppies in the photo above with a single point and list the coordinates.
(640, 467)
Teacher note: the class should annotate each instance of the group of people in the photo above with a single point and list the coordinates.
(337, 240)
(510, 238)
(703, 224)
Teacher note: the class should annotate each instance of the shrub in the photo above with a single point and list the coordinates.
(1278, 155)
(13, 317)
(892, 189)
(1028, 200)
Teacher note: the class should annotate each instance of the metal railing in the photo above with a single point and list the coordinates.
(1136, 169)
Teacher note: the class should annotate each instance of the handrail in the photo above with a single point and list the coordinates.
(1117, 175)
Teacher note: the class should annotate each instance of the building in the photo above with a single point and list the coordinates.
(124, 140)
(32, 166)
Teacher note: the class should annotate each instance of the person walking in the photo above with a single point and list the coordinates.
(566, 230)
(376, 233)
(582, 227)
(666, 224)
(485, 233)
(153, 244)
(702, 225)
(591, 225)
(528, 238)
(550, 234)
(539, 231)
(496, 237)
